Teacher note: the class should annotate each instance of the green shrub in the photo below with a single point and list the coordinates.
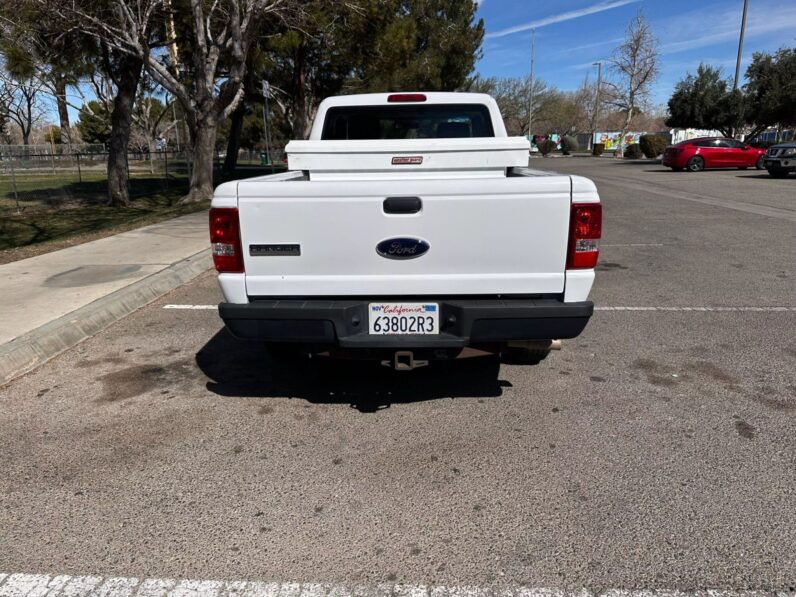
(598, 149)
(546, 146)
(652, 145)
(633, 152)
(569, 144)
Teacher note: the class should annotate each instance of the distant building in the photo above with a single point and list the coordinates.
(680, 135)
(775, 135)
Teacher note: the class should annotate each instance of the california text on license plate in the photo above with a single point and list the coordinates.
(403, 318)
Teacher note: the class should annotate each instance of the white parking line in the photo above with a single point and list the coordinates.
(597, 308)
(602, 245)
(193, 307)
(33, 585)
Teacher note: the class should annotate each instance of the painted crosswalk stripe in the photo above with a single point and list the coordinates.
(33, 585)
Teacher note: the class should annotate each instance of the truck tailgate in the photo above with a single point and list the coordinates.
(485, 236)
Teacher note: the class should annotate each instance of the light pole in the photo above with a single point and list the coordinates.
(530, 89)
(596, 114)
(740, 45)
(740, 51)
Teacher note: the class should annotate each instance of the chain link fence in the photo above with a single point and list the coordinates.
(47, 176)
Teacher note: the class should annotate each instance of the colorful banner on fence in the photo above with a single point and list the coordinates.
(611, 140)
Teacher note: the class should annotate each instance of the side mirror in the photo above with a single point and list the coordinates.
(746, 147)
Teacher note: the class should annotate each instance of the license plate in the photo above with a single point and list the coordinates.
(403, 318)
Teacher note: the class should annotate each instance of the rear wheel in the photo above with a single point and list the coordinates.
(778, 172)
(760, 164)
(695, 164)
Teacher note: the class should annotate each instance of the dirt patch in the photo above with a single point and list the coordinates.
(86, 363)
(711, 370)
(776, 404)
(606, 266)
(655, 372)
(744, 429)
(661, 375)
(89, 275)
(136, 380)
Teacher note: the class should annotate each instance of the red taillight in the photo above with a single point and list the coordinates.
(585, 229)
(225, 240)
(406, 97)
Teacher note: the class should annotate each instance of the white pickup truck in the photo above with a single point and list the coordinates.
(408, 228)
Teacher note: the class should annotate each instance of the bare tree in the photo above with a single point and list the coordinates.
(50, 43)
(511, 95)
(148, 115)
(634, 67)
(114, 83)
(20, 103)
(56, 84)
(209, 87)
(36, 48)
(223, 37)
(124, 70)
(562, 112)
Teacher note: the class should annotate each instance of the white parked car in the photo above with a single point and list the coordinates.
(407, 228)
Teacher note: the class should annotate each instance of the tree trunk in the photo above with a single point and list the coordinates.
(300, 93)
(625, 127)
(204, 149)
(63, 113)
(311, 111)
(233, 144)
(129, 73)
(150, 155)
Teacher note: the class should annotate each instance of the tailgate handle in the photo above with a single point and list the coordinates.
(402, 205)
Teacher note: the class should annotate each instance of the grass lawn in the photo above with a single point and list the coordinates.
(59, 211)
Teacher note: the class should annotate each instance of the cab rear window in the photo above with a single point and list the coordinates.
(434, 121)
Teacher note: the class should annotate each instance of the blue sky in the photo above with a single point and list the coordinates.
(572, 34)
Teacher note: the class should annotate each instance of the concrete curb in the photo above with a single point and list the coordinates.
(23, 354)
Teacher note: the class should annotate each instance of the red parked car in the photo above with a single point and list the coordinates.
(712, 152)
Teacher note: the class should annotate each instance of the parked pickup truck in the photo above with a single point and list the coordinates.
(408, 228)
(781, 159)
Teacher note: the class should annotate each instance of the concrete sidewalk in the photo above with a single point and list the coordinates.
(50, 302)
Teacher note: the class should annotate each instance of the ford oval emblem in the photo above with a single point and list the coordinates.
(402, 248)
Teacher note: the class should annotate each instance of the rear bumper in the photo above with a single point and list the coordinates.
(673, 161)
(463, 322)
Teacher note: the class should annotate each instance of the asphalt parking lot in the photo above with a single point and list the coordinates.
(656, 451)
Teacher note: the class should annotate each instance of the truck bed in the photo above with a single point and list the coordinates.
(486, 236)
